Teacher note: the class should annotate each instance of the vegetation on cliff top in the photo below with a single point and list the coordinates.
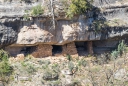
(35, 11)
(73, 7)
(77, 7)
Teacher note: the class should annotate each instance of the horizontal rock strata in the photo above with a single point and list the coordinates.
(39, 31)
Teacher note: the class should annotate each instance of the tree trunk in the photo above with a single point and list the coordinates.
(52, 13)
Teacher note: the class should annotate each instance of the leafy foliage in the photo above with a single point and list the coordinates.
(82, 62)
(29, 67)
(98, 25)
(55, 68)
(5, 68)
(26, 16)
(114, 54)
(51, 72)
(70, 65)
(77, 7)
(50, 75)
(37, 10)
(121, 48)
(3, 55)
(69, 58)
(26, 1)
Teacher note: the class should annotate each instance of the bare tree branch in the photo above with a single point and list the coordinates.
(52, 13)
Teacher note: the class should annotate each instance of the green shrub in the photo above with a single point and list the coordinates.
(56, 83)
(50, 75)
(3, 55)
(114, 54)
(98, 25)
(47, 62)
(40, 62)
(31, 69)
(121, 47)
(76, 82)
(103, 58)
(120, 50)
(26, 15)
(26, 1)
(23, 64)
(51, 72)
(5, 68)
(7, 0)
(77, 7)
(69, 57)
(71, 66)
(56, 68)
(44, 67)
(37, 10)
(82, 62)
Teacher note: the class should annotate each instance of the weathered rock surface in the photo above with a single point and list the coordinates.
(15, 31)
(121, 75)
(1, 83)
(39, 30)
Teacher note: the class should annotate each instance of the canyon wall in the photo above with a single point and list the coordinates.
(15, 31)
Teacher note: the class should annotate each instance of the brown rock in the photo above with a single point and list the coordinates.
(43, 50)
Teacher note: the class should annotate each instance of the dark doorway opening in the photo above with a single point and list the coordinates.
(81, 48)
(104, 46)
(28, 49)
(57, 49)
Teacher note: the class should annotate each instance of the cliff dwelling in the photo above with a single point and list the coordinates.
(57, 49)
(81, 48)
(64, 42)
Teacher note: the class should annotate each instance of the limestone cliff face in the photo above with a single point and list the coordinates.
(15, 30)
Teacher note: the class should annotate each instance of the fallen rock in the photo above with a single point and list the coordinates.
(23, 78)
(50, 76)
(66, 72)
(1, 83)
(120, 74)
(19, 57)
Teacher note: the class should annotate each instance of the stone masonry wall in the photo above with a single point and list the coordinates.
(46, 50)
(69, 48)
(13, 50)
(90, 47)
(42, 51)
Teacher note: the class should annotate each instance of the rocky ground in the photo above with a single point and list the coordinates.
(69, 71)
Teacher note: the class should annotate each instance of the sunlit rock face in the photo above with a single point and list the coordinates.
(14, 30)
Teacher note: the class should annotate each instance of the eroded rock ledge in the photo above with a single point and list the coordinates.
(37, 37)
